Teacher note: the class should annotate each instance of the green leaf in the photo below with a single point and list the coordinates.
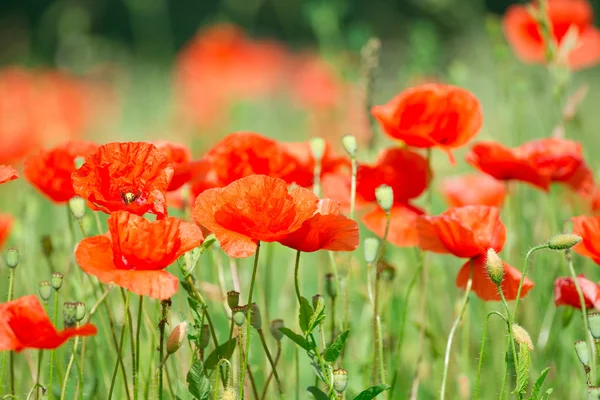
(317, 317)
(522, 367)
(198, 383)
(333, 351)
(537, 386)
(182, 392)
(298, 339)
(208, 241)
(223, 351)
(306, 313)
(372, 392)
(317, 393)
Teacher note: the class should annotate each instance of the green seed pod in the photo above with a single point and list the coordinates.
(77, 207)
(330, 285)
(583, 353)
(274, 328)
(522, 337)
(564, 241)
(340, 380)
(47, 247)
(255, 318)
(371, 247)
(57, 280)
(317, 148)
(80, 310)
(494, 266)
(385, 197)
(233, 299)
(205, 336)
(239, 315)
(349, 143)
(12, 257)
(318, 302)
(45, 290)
(594, 323)
(176, 338)
(69, 314)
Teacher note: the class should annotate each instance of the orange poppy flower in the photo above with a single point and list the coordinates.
(131, 176)
(254, 208)
(524, 37)
(303, 174)
(327, 229)
(403, 224)
(7, 173)
(137, 251)
(25, 325)
(538, 162)
(589, 230)
(565, 292)
(180, 157)
(473, 189)
(50, 170)
(431, 115)
(467, 232)
(6, 223)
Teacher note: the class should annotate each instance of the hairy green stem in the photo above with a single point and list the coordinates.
(480, 363)
(273, 365)
(161, 346)
(120, 351)
(248, 315)
(277, 357)
(53, 351)
(69, 366)
(136, 360)
(296, 280)
(523, 275)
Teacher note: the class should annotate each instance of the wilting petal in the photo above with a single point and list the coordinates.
(7, 173)
(403, 224)
(474, 189)
(565, 292)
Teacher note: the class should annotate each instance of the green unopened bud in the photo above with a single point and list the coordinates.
(385, 197)
(57, 280)
(318, 302)
(255, 318)
(47, 247)
(593, 393)
(330, 285)
(69, 314)
(176, 338)
(583, 353)
(229, 394)
(80, 311)
(274, 328)
(522, 337)
(340, 380)
(371, 247)
(317, 147)
(233, 299)
(12, 257)
(77, 207)
(494, 266)
(594, 324)
(349, 143)
(564, 241)
(45, 290)
(239, 315)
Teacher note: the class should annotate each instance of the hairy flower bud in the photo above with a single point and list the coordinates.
(229, 394)
(385, 197)
(564, 241)
(255, 318)
(77, 207)
(57, 280)
(340, 380)
(45, 290)
(233, 299)
(239, 315)
(12, 257)
(583, 353)
(349, 143)
(371, 246)
(317, 148)
(69, 314)
(176, 338)
(274, 328)
(522, 337)
(204, 336)
(79, 311)
(330, 285)
(594, 324)
(494, 266)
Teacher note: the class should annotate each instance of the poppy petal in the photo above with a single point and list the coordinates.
(589, 230)
(473, 189)
(403, 224)
(6, 223)
(7, 173)
(565, 292)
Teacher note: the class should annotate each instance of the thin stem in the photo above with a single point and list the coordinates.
(384, 238)
(161, 346)
(119, 353)
(452, 330)
(69, 366)
(248, 315)
(273, 365)
(11, 287)
(39, 369)
(332, 318)
(505, 376)
(523, 275)
(510, 323)
(129, 320)
(480, 364)
(136, 361)
(53, 351)
(277, 357)
(296, 280)
(378, 331)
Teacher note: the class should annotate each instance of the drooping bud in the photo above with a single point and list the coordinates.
(176, 338)
(229, 394)
(77, 207)
(274, 328)
(564, 241)
(494, 266)
(79, 311)
(239, 315)
(12, 257)
(233, 299)
(340, 380)
(57, 280)
(583, 353)
(204, 336)
(385, 197)
(45, 290)
(371, 246)
(349, 143)
(69, 314)
(255, 318)
(318, 302)
(317, 147)
(47, 247)
(522, 337)
(330, 285)
(594, 324)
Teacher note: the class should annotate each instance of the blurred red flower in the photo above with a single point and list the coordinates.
(50, 170)
(468, 232)
(327, 229)
(131, 176)
(25, 325)
(431, 115)
(473, 189)
(7, 173)
(137, 251)
(6, 223)
(524, 36)
(538, 162)
(180, 158)
(303, 175)
(316, 84)
(252, 209)
(565, 292)
(589, 230)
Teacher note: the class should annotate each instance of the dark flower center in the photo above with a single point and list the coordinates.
(129, 197)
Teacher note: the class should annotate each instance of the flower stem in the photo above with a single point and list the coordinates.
(480, 364)
(296, 280)
(510, 325)
(53, 351)
(161, 347)
(277, 357)
(11, 285)
(136, 361)
(523, 275)
(120, 351)
(378, 331)
(273, 365)
(248, 314)
(69, 366)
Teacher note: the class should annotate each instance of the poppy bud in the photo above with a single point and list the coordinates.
(176, 338)
(79, 311)
(69, 314)
(77, 207)
(204, 336)
(340, 380)
(57, 280)
(385, 197)
(317, 147)
(233, 299)
(349, 143)
(521, 336)
(274, 328)
(494, 266)
(583, 353)
(317, 302)
(47, 247)
(45, 290)
(12, 257)
(564, 241)
(239, 315)
(594, 323)
(593, 393)
(330, 286)
(229, 394)
(255, 318)
(371, 246)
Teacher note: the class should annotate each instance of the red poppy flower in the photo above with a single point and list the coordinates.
(431, 115)
(180, 157)
(303, 174)
(7, 173)
(25, 325)
(254, 208)
(137, 251)
(473, 189)
(50, 170)
(6, 223)
(565, 292)
(589, 230)
(327, 229)
(538, 162)
(316, 84)
(403, 224)
(125, 176)
(523, 34)
(467, 232)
